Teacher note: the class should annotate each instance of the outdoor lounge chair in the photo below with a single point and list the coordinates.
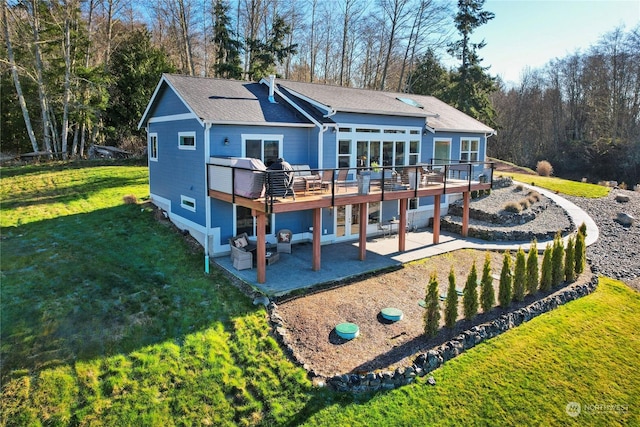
(284, 238)
(241, 252)
(386, 229)
(342, 177)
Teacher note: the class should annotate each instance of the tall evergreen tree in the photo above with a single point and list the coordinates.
(532, 269)
(580, 252)
(557, 260)
(487, 294)
(470, 294)
(546, 271)
(432, 312)
(506, 282)
(471, 83)
(570, 261)
(227, 62)
(265, 55)
(519, 276)
(451, 303)
(429, 77)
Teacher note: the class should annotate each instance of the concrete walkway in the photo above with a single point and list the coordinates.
(340, 260)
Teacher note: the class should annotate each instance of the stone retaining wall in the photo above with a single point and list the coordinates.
(447, 223)
(434, 358)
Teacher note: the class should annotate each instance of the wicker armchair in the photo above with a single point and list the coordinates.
(284, 237)
(241, 252)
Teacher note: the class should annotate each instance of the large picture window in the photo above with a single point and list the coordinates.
(469, 149)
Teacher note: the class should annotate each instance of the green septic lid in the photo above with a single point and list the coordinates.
(422, 303)
(347, 330)
(391, 313)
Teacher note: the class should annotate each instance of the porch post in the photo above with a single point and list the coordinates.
(466, 196)
(364, 216)
(402, 226)
(317, 235)
(261, 251)
(436, 219)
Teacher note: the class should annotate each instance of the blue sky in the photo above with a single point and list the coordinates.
(529, 33)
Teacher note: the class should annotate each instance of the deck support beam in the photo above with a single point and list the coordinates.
(402, 226)
(261, 250)
(317, 236)
(436, 219)
(466, 197)
(362, 246)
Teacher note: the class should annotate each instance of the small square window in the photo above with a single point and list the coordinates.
(187, 140)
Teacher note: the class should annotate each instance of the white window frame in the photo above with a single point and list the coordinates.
(469, 152)
(181, 136)
(368, 133)
(262, 137)
(153, 141)
(188, 203)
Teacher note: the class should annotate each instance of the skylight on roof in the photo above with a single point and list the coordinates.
(411, 102)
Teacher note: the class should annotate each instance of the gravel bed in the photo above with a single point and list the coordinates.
(617, 252)
(547, 222)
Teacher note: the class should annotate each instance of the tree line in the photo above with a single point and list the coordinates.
(80, 72)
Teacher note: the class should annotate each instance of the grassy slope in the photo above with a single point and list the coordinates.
(564, 186)
(107, 319)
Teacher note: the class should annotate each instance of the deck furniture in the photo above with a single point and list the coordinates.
(241, 252)
(284, 238)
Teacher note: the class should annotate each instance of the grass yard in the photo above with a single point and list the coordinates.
(108, 319)
(564, 186)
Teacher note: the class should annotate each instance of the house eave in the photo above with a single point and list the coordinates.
(153, 99)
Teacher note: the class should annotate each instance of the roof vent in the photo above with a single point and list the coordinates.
(272, 82)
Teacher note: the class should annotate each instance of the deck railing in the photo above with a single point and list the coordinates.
(271, 185)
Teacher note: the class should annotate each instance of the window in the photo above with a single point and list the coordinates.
(344, 153)
(414, 152)
(469, 150)
(385, 146)
(187, 140)
(153, 147)
(245, 222)
(264, 147)
(188, 203)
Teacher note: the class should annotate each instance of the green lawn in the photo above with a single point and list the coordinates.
(108, 319)
(564, 186)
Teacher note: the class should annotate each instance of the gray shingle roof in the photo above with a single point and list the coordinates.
(221, 100)
(344, 99)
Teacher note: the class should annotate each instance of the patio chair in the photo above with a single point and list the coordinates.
(342, 177)
(326, 180)
(386, 229)
(241, 252)
(284, 238)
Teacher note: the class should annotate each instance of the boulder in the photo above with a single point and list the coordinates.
(625, 219)
(622, 198)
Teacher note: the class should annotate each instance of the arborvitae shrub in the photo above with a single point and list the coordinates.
(546, 272)
(506, 282)
(570, 261)
(580, 253)
(583, 229)
(487, 294)
(532, 269)
(519, 276)
(451, 303)
(544, 168)
(557, 260)
(432, 312)
(470, 294)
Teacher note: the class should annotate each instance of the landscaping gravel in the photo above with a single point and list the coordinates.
(617, 251)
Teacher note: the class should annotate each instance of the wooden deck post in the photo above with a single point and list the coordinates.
(402, 225)
(362, 246)
(436, 219)
(317, 235)
(261, 251)
(466, 197)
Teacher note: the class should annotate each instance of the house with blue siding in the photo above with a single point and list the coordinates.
(403, 159)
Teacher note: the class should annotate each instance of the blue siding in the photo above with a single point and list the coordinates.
(179, 172)
(167, 103)
(378, 120)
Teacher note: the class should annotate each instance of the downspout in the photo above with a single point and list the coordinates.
(207, 155)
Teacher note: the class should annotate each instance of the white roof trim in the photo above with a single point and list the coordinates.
(271, 124)
(153, 98)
